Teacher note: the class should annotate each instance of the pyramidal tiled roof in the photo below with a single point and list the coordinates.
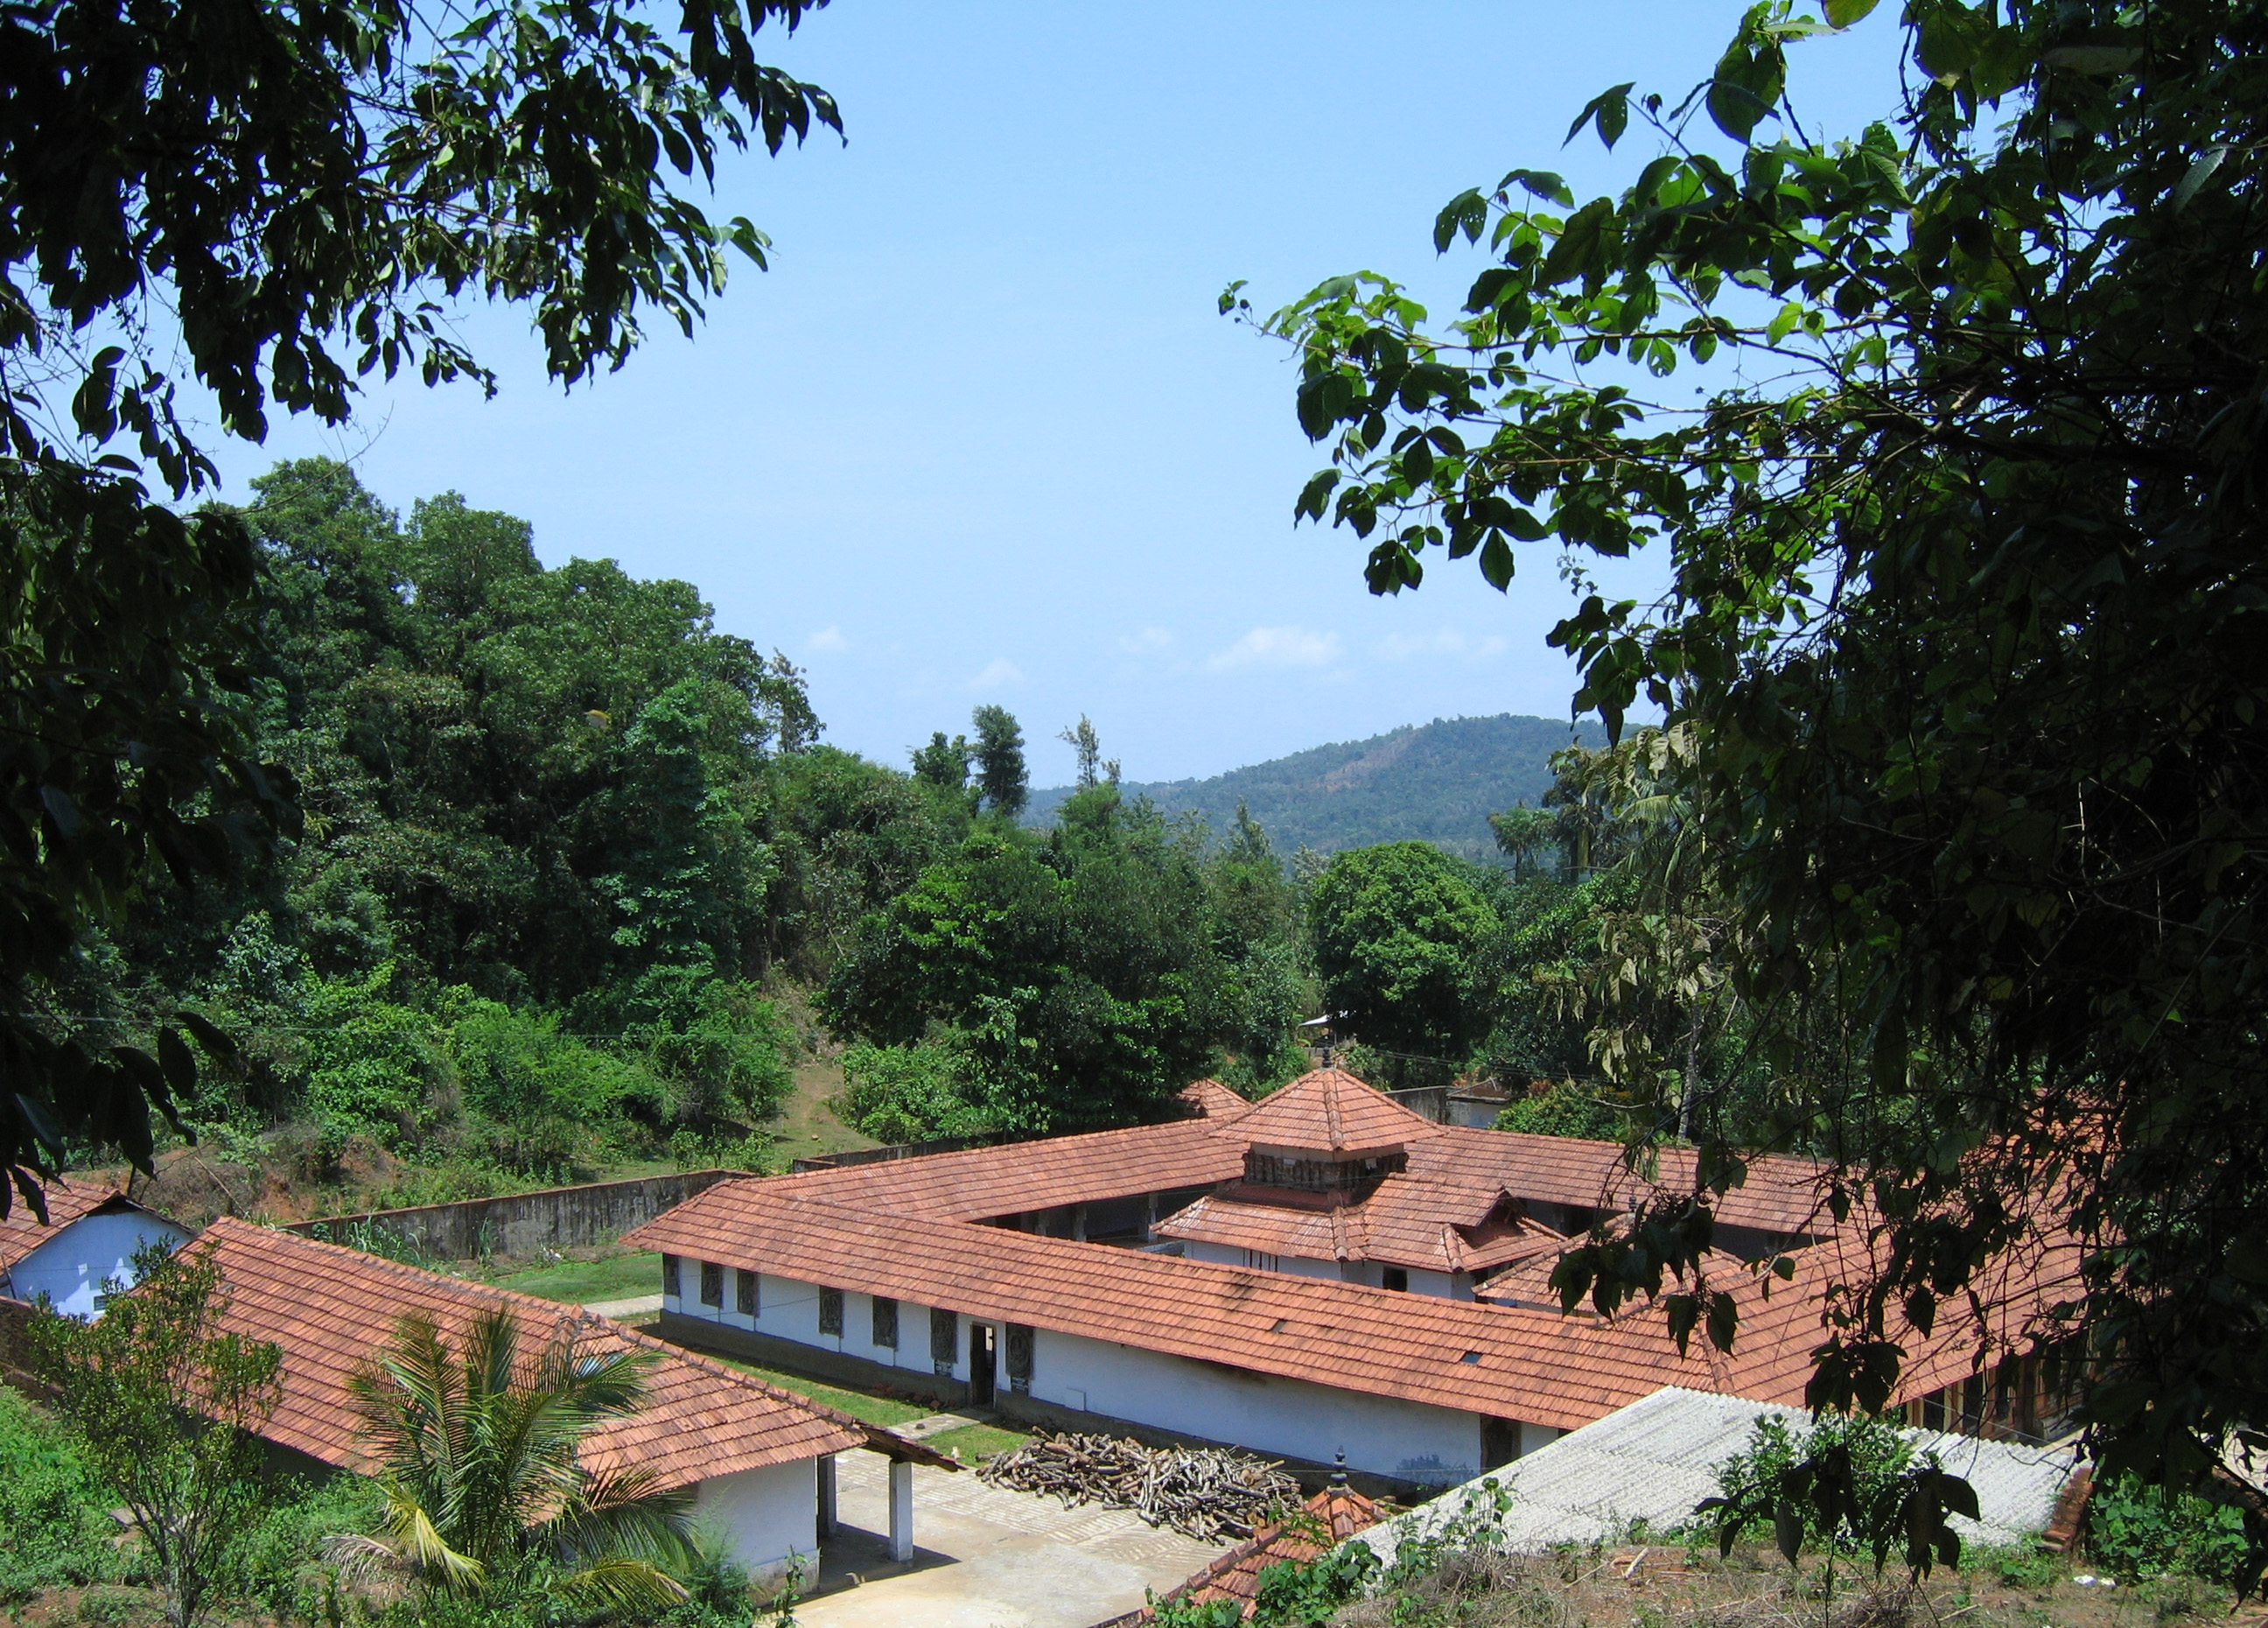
(1329, 1110)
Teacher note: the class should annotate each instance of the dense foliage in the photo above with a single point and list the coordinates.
(1072, 980)
(268, 203)
(54, 1515)
(1959, 622)
(2139, 1531)
(558, 832)
(1398, 931)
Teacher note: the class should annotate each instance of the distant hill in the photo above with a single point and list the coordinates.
(1438, 781)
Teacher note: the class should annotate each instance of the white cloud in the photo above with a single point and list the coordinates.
(1147, 640)
(828, 638)
(1002, 671)
(1442, 642)
(1278, 648)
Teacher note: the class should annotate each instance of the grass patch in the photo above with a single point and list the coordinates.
(857, 1404)
(617, 1277)
(973, 1444)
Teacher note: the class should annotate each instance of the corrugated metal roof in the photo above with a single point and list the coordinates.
(1654, 1460)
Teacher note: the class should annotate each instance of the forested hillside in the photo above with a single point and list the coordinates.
(570, 857)
(1435, 783)
(558, 832)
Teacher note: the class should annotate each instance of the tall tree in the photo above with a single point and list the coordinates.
(479, 1452)
(1399, 930)
(943, 764)
(1000, 769)
(163, 1404)
(1960, 611)
(286, 197)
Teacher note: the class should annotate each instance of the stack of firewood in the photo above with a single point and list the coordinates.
(1210, 1493)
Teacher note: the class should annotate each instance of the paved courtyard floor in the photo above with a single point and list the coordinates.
(986, 1557)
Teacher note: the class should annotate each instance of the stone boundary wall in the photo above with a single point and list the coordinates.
(525, 1224)
(899, 1150)
(1432, 1101)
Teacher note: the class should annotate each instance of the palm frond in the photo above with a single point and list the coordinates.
(411, 1406)
(624, 1514)
(622, 1585)
(417, 1543)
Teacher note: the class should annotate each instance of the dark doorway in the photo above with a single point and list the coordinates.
(983, 1375)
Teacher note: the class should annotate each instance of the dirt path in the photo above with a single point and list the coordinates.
(806, 1125)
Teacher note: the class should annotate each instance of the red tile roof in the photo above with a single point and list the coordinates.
(1212, 1099)
(1017, 1177)
(68, 1201)
(1534, 1365)
(1407, 1221)
(1329, 1110)
(1325, 1521)
(1781, 1195)
(332, 1309)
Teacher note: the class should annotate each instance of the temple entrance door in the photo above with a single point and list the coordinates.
(984, 1372)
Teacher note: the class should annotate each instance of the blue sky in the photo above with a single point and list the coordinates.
(980, 436)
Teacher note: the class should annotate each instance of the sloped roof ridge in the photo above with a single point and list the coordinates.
(1350, 1113)
(563, 1316)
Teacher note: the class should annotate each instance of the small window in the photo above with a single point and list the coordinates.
(712, 1285)
(1397, 1278)
(748, 1292)
(830, 1312)
(886, 1324)
(1260, 1260)
(944, 1339)
(1020, 1359)
(669, 1281)
(1471, 1359)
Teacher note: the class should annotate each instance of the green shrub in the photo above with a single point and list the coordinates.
(1878, 1451)
(908, 1094)
(54, 1531)
(1568, 1109)
(372, 1063)
(2139, 1531)
(279, 1565)
(2017, 1566)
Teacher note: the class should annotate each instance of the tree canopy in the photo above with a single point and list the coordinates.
(1958, 617)
(286, 199)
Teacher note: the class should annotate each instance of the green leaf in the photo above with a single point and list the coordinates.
(1467, 212)
(2199, 172)
(1497, 562)
(1609, 109)
(174, 1056)
(1843, 14)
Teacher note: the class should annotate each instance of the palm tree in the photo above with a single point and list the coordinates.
(480, 1456)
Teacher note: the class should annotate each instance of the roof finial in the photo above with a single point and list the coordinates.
(1338, 1476)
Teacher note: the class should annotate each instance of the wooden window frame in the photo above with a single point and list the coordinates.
(748, 1293)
